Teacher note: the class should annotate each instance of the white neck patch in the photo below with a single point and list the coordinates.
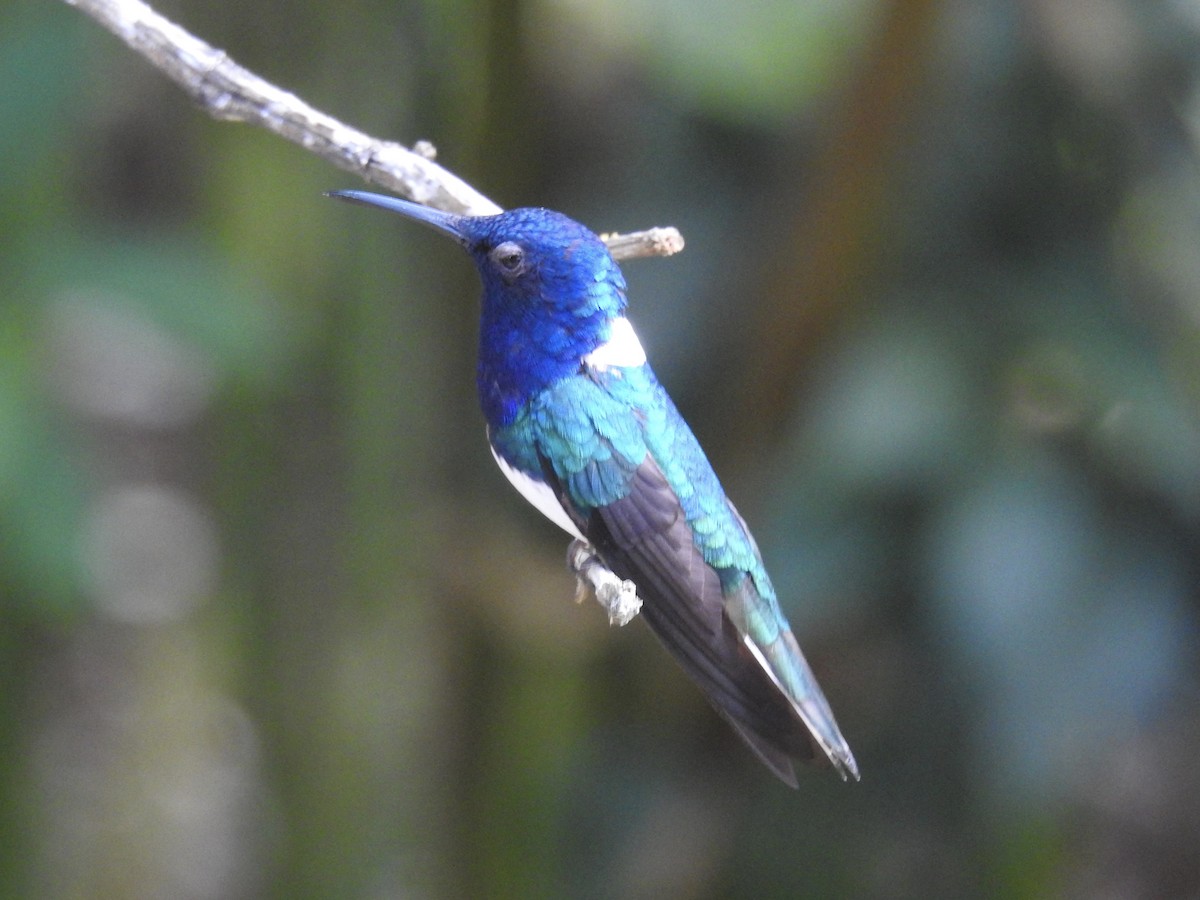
(622, 349)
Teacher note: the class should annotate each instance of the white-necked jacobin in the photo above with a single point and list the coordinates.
(580, 425)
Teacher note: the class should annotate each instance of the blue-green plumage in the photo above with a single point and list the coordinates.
(579, 423)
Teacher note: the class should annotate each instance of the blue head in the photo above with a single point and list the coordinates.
(550, 292)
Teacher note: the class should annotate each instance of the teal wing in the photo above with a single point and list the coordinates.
(630, 475)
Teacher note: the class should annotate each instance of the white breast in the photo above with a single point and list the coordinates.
(539, 494)
(622, 350)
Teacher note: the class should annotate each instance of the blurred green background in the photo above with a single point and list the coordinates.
(272, 624)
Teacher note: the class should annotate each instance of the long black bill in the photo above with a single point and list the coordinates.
(446, 223)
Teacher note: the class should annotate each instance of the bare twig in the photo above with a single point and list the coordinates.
(234, 94)
(651, 242)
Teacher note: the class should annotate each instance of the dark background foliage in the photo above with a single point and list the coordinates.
(271, 624)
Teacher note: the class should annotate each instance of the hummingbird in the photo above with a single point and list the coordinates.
(580, 425)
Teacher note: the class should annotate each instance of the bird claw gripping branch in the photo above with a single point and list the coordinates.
(618, 596)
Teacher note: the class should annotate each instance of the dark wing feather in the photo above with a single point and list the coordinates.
(644, 536)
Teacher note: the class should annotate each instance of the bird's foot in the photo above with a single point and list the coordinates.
(618, 597)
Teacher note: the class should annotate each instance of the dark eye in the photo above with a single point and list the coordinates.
(510, 258)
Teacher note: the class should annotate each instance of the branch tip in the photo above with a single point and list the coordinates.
(228, 92)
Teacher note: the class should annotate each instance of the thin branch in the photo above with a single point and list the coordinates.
(651, 242)
(232, 93)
